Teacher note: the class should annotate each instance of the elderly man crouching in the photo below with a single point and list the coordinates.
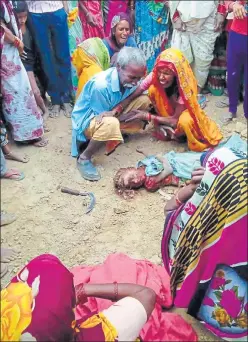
(94, 117)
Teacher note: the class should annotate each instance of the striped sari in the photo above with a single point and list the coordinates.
(204, 246)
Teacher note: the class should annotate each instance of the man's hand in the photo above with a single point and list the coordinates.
(219, 22)
(135, 115)
(104, 114)
(91, 19)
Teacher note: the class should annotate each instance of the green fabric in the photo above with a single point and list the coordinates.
(95, 49)
(75, 37)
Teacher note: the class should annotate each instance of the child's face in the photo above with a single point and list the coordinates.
(22, 18)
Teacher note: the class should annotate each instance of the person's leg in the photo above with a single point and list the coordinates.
(37, 94)
(202, 44)
(40, 26)
(60, 39)
(98, 133)
(234, 67)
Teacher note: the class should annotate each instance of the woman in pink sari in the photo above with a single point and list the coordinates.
(90, 13)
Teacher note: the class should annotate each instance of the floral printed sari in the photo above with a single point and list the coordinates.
(19, 106)
(204, 246)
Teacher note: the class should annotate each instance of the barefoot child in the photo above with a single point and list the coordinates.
(28, 60)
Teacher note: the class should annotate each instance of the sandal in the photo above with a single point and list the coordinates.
(202, 100)
(54, 111)
(228, 118)
(41, 142)
(13, 156)
(67, 109)
(87, 170)
(222, 103)
(13, 174)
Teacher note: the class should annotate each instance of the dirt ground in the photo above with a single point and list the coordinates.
(52, 222)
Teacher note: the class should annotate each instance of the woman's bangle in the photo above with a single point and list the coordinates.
(149, 117)
(119, 109)
(222, 9)
(155, 119)
(178, 202)
(115, 291)
(17, 42)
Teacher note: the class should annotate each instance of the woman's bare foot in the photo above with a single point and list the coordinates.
(13, 174)
(8, 254)
(15, 156)
(54, 111)
(41, 142)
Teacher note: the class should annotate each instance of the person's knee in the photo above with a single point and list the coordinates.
(184, 119)
(111, 121)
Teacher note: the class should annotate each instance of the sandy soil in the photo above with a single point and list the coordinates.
(52, 222)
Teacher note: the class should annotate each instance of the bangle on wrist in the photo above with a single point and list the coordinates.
(149, 117)
(16, 42)
(222, 9)
(115, 291)
(178, 202)
(119, 109)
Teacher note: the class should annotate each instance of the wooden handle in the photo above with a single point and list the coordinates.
(70, 191)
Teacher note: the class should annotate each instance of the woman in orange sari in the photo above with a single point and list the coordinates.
(172, 89)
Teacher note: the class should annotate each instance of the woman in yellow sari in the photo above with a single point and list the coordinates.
(94, 54)
(172, 89)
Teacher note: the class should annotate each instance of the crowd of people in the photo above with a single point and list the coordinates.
(113, 68)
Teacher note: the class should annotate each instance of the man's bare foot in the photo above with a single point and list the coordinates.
(3, 270)
(41, 142)
(54, 111)
(66, 108)
(13, 174)
(17, 157)
(8, 254)
(6, 218)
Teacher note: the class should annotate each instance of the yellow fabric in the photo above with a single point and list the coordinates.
(85, 66)
(109, 330)
(107, 129)
(200, 130)
(16, 310)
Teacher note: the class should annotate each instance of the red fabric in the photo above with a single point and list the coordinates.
(238, 25)
(161, 326)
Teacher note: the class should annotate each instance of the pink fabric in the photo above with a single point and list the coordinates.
(212, 256)
(120, 268)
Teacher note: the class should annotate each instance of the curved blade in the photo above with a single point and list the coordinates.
(92, 201)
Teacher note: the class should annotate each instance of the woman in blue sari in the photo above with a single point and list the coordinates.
(151, 28)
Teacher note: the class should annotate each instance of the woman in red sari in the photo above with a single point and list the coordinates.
(90, 14)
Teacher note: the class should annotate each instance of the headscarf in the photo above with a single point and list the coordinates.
(117, 18)
(187, 87)
(115, 21)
